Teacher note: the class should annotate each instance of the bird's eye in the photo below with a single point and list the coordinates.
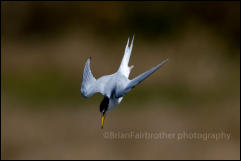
(103, 113)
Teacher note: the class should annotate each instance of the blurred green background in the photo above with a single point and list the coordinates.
(44, 49)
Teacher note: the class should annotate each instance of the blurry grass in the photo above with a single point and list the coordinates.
(50, 86)
(42, 87)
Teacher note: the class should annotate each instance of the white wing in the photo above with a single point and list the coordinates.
(124, 68)
(89, 84)
(139, 79)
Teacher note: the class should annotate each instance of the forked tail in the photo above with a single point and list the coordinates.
(124, 68)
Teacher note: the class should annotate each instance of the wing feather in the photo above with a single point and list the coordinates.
(139, 79)
(89, 84)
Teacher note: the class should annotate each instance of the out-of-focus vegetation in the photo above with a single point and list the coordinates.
(45, 46)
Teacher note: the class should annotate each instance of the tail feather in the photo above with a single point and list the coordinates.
(124, 68)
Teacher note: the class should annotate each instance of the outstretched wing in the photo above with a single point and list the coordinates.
(139, 79)
(89, 84)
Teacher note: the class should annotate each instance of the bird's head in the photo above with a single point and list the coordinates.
(103, 109)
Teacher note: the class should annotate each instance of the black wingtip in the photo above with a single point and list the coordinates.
(90, 57)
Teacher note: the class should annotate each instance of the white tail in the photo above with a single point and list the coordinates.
(124, 68)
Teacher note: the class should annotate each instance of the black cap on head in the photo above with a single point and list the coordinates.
(104, 105)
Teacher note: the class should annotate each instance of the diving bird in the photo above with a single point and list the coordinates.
(113, 87)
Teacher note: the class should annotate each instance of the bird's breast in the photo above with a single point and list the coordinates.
(114, 102)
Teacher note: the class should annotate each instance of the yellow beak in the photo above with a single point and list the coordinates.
(102, 121)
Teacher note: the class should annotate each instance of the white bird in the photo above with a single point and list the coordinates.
(113, 87)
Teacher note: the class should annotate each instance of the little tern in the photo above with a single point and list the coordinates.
(113, 87)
